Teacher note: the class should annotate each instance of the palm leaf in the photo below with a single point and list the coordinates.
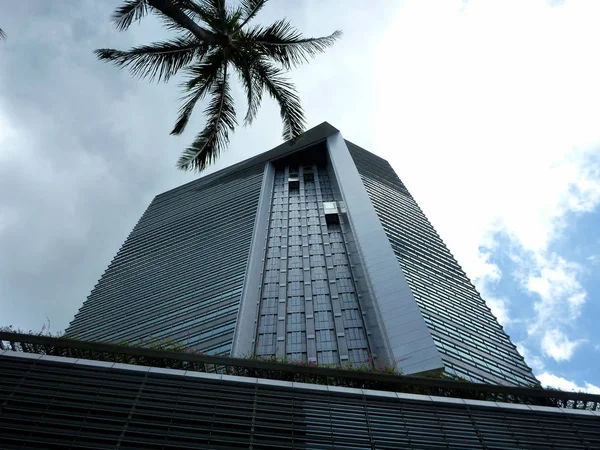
(283, 43)
(251, 84)
(250, 8)
(160, 60)
(285, 94)
(197, 11)
(128, 12)
(201, 80)
(209, 143)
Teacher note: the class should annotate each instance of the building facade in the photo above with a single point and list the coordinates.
(313, 251)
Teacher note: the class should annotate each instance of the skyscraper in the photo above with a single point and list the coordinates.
(312, 251)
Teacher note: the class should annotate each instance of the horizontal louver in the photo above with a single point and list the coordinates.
(473, 344)
(179, 274)
(68, 406)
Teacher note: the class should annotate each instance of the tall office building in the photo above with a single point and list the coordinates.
(311, 251)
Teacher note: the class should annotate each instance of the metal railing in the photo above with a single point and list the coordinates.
(257, 368)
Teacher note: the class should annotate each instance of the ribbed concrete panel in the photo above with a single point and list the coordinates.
(473, 344)
(179, 275)
(405, 331)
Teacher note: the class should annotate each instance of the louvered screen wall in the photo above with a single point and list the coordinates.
(179, 274)
(58, 405)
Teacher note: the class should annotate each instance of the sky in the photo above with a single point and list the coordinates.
(487, 110)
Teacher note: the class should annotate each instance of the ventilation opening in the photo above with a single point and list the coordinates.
(332, 219)
(331, 213)
(294, 183)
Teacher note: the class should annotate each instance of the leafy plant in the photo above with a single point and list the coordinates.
(213, 41)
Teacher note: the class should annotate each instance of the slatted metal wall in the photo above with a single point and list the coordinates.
(179, 274)
(473, 344)
(72, 406)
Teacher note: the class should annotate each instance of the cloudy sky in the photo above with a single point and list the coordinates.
(488, 111)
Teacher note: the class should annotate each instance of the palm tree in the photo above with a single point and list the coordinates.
(213, 41)
(2, 34)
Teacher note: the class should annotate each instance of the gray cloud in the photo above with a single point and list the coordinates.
(84, 147)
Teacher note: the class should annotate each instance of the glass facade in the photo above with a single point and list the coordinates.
(180, 273)
(309, 308)
(473, 344)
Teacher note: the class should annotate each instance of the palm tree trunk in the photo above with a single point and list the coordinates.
(168, 9)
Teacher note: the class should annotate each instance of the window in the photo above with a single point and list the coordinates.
(295, 250)
(266, 344)
(296, 322)
(358, 355)
(339, 259)
(342, 271)
(316, 249)
(275, 241)
(355, 337)
(317, 260)
(314, 221)
(295, 289)
(268, 324)
(315, 228)
(314, 239)
(274, 252)
(321, 303)
(268, 306)
(294, 240)
(320, 287)
(327, 357)
(296, 342)
(318, 273)
(295, 304)
(272, 276)
(337, 247)
(348, 301)
(351, 318)
(270, 290)
(323, 320)
(345, 285)
(326, 340)
(295, 262)
(295, 275)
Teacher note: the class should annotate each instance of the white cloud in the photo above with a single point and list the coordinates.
(559, 302)
(558, 346)
(550, 380)
(495, 133)
(500, 308)
(535, 362)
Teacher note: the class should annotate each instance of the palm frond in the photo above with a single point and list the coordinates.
(250, 8)
(199, 11)
(252, 85)
(128, 12)
(218, 6)
(283, 43)
(179, 19)
(194, 11)
(215, 12)
(2, 34)
(160, 60)
(209, 143)
(201, 80)
(285, 94)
